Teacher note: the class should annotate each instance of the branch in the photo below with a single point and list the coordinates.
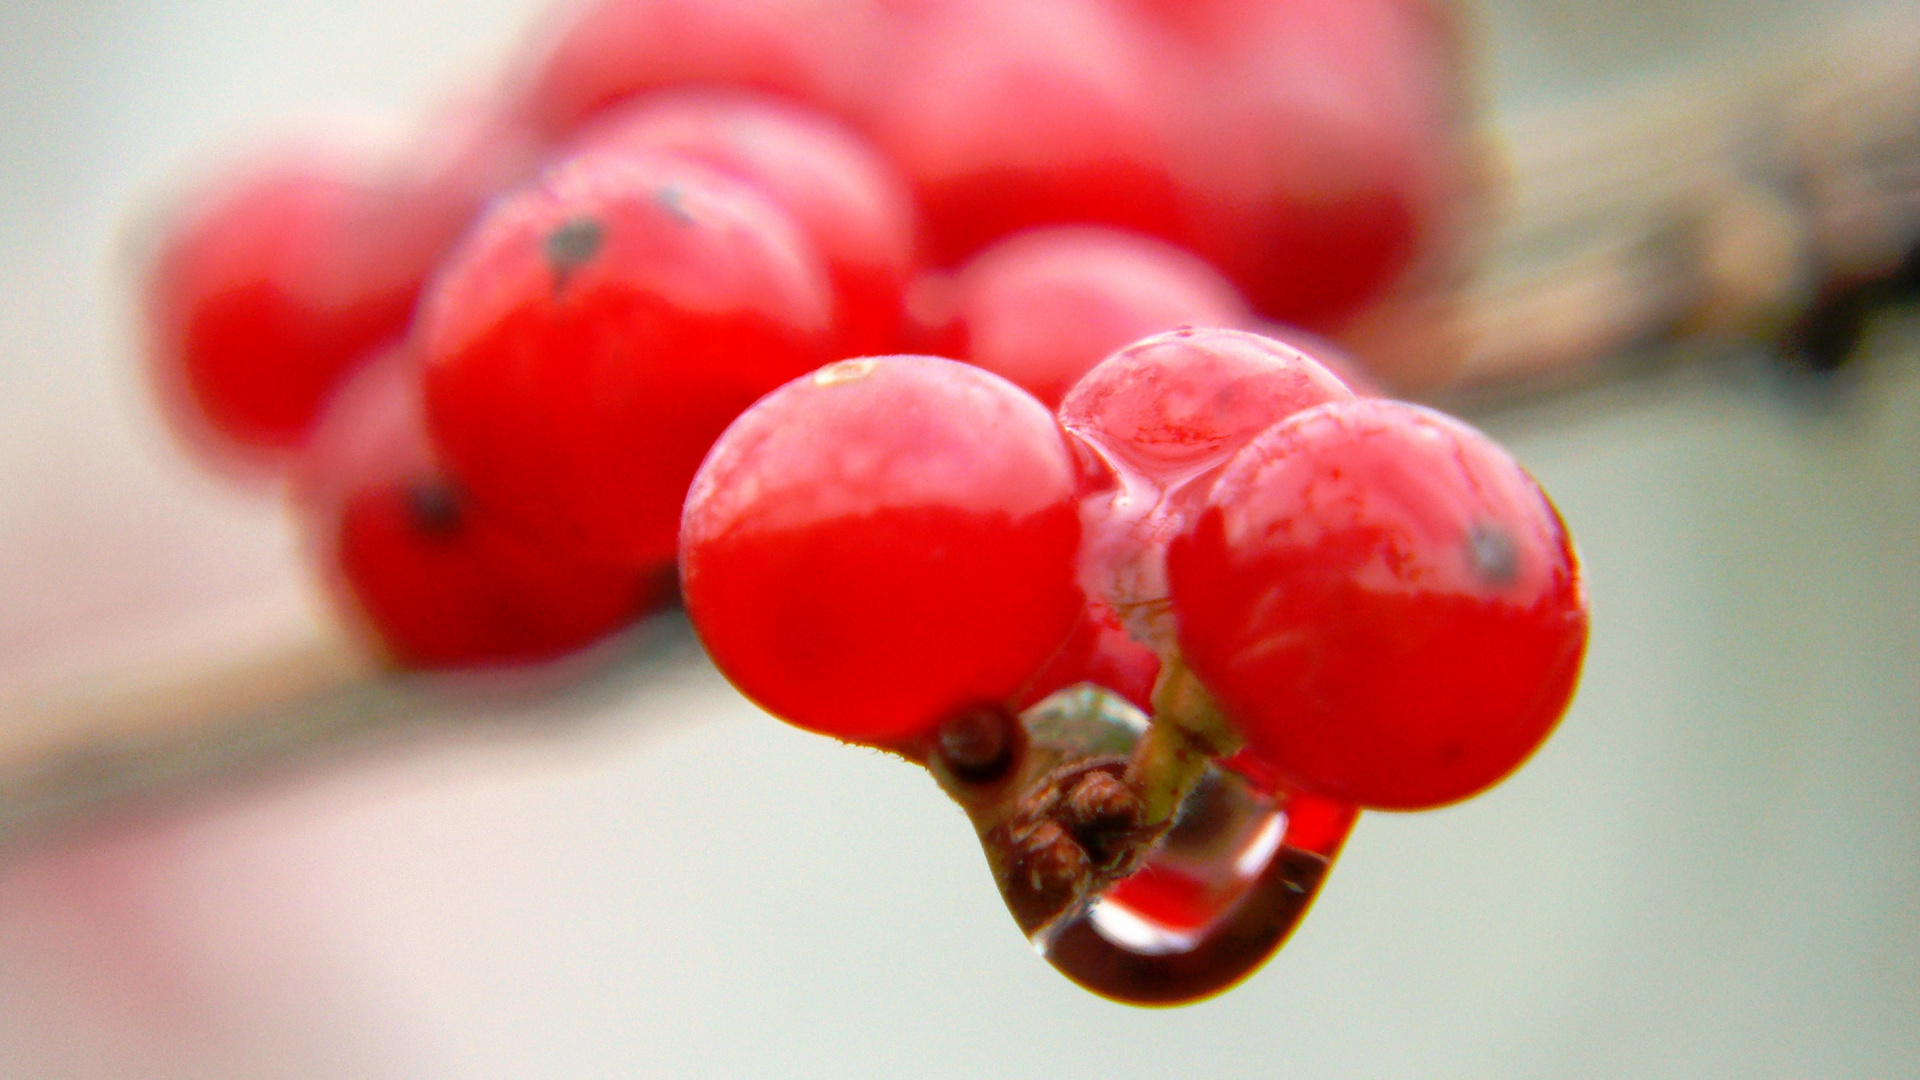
(1720, 205)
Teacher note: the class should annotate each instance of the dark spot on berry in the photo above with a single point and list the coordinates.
(673, 199)
(977, 743)
(1495, 558)
(435, 507)
(572, 246)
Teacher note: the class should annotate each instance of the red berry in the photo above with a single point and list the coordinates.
(1320, 151)
(1383, 602)
(1043, 307)
(1013, 113)
(268, 294)
(1329, 355)
(1310, 149)
(599, 330)
(880, 544)
(1165, 414)
(611, 49)
(1179, 403)
(1100, 651)
(437, 583)
(851, 203)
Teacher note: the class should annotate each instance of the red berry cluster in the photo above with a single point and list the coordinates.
(1373, 597)
(502, 372)
(674, 206)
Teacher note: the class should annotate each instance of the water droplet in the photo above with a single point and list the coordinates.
(1147, 916)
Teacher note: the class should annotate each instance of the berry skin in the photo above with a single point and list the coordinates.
(876, 546)
(1333, 357)
(1384, 604)
(435, 582)
(267, 295)
(1163, 415)
(1100, 651)
(848, 199)
(611, 49)
(599, 330)
(1179, 403)
(1043, 307)
(1318, 153)
(1009, 114)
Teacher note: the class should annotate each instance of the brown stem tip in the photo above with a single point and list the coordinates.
(977, 743)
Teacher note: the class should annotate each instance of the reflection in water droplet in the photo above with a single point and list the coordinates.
(1196, 877)
(1202, 909)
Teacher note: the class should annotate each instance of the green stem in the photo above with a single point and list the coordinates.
(1188, 732)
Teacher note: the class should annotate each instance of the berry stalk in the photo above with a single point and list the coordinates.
(1188, 732)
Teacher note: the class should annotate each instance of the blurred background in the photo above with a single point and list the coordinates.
(1709, 872)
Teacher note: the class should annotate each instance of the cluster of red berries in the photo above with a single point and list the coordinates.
(1375, 598)
(498, 363)
(554, 306)
(496, 372)
(665, 317)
